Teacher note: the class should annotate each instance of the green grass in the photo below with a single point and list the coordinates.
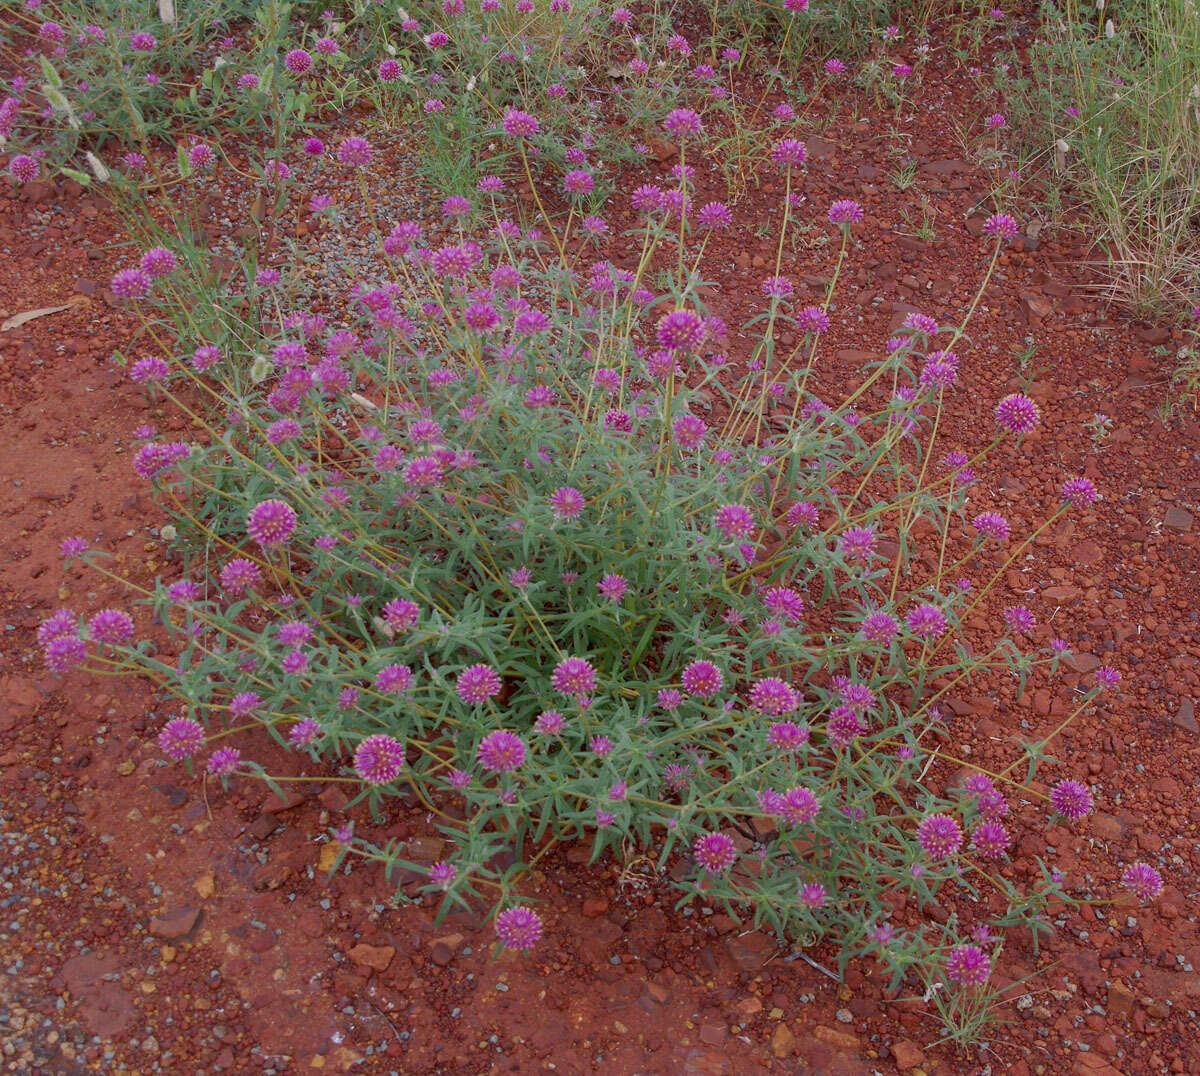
(1132, 161)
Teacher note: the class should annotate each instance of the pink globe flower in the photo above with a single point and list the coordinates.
(379, 759)
(566, 502)
(23, 168)
(355, 151)
(680, 330)
(773, 696)
(574, 676)
(1002, 226)
(789, 153)
(298, 61)
(519, 125)
(702, 679)
(1143, 881)
(271, 523)
(734, 521)
(714, 853)
(969, 965)
(1017, 413)
(181, 737)
(845, 211)
(501, 751)
(478, 683)
(518, 928)
(939, 835)
(1071, 799)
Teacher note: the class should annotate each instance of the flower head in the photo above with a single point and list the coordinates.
(478, 683)
(501, 751)
(845, 211)
(613, 587)
(181, 737)
(519, 125)
(702, 679)
(789, 152)
(773, 696)
(939, 836)
(379, 759)
(23, 168)
(714, 215)
(680, 330)
(566, 502)
(298, 61)
(734, 521)
(1107, 677)
(682, 121)
(990, 839)
(714, 853)
(394, 679)
(355, 151)
(518, 928)
(270, 523)
(1080, 492)
(110, 626)
(991, 525)
(1002, 226)
(574, 676)
(969, 965)
(1143, 881)
(926, 622)
(1072, 799)
(1017, 414)
(131, 284)
(224, 761)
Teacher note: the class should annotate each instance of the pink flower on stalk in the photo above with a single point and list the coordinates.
(734, 521)
(478, 683)
(682, 122)
(613, 587)
(574, 676)
(773, 696)
(1002, 226)
(298, 61)
(501, 751)
(789, 152)
(939, 835)
(355, 151)
(845, 211)
(181, 737)
(1143, 881)
(714, 853)
(519, 125)
(566, 502)
(702, 679)
(271, 523)
(518, 928)
(1071, 799)
(969, 965)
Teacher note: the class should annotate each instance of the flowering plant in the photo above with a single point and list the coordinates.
(539, 541)
(530, 541)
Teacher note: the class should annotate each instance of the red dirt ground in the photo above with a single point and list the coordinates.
(163, 925)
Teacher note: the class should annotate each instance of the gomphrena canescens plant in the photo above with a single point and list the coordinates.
(535, 535)
(493, 538)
